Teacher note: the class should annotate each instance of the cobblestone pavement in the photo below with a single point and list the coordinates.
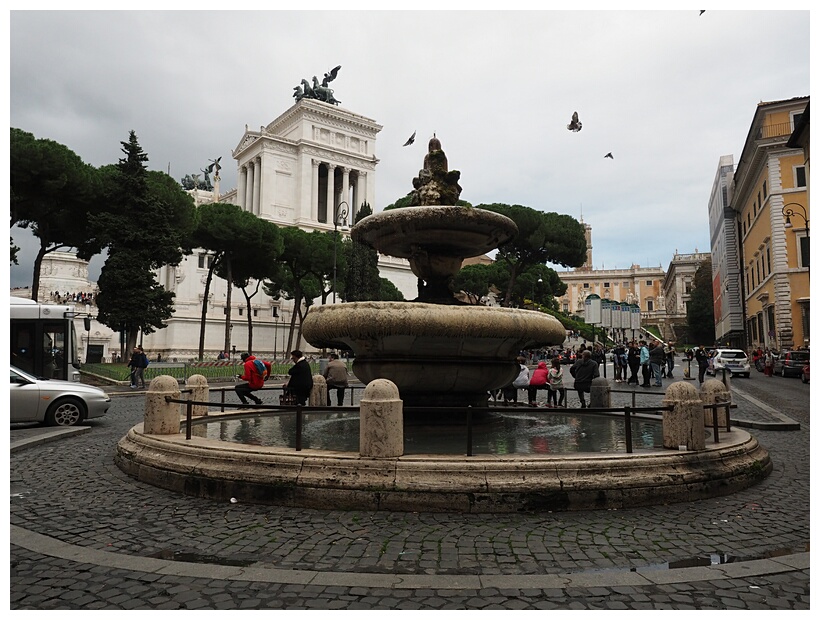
(86, 536)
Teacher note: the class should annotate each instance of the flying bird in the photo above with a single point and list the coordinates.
(575, 125)
(702, 12)
(410, 140)
(609, 155)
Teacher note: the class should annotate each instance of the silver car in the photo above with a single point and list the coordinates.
(54, 402)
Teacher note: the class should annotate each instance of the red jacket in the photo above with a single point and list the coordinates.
(539, 375)
(254, 379)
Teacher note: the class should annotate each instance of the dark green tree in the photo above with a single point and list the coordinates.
(700, 310)
(130, 299)
(13, 250)
(256, 248)
(475, 280)
(54, 194)
(388, 291)
(542, 238)
(147, 224)
(299, 279)
(362, 281)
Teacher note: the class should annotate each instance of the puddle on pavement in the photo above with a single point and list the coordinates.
(198, 558)
(713, 559)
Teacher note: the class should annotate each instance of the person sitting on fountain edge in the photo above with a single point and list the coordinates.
(255, 380)
(300, 382)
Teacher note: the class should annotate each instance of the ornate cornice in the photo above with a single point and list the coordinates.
(334, 157)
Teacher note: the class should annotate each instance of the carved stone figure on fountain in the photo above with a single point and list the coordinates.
(435, 185)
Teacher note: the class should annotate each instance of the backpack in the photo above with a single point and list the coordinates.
(260, 367)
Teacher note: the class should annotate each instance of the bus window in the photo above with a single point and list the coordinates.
(22, 353)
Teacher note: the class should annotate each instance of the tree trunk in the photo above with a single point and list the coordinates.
(35, 279)
(228, 303)
(204, 316)
(297, 302)
(250, 314)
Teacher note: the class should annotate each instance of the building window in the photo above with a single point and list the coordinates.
(225, 310)
(650, 305)
(566, 307)
(606, 284)
(625, 285)
(800, 176)
(765, 191)
(768, 260)
(803, 251)
(204, 261)
(744, 228)
(255, 312)
(586, 284)
(755, 210)
(241, 310)
(649, 282)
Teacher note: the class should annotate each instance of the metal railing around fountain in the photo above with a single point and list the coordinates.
(299, 412)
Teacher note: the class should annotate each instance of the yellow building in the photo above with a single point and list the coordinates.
(770, 198)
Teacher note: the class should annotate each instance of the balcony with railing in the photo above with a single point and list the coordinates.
(776, 130)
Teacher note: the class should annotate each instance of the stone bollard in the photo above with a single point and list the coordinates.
(318, 395)
(683, 426)
(381, 421)
(198, 386)
(711, 392)
(600, 393)
(161, 418)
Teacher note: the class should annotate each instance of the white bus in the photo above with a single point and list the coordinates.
(43, 339)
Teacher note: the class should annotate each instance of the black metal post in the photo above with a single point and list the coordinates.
(715, 422)
(298, 428)
(470, 431)
(189, 414)
(628, 428)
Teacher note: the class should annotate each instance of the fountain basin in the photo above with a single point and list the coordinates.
(440, 483)
(451, 230)
(437, 355)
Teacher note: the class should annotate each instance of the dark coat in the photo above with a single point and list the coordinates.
(584, 372)
(301, 378)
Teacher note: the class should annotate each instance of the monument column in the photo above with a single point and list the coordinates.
(331, 195)
(257, 185)
(314, 190)
(240, 190)
(249, 187)
(346, 187)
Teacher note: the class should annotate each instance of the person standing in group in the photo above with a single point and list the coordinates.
(644, 363)
(521, 381)
(336, 376)
(254, 378)
(300, 382)
(138, 364)
(702, 358)
(584, 371)
(133, 364)
(617, 365)
(633, 359)
(669, 352)
(555, 377)
(538, 380)
(657, 359)
(768, 363)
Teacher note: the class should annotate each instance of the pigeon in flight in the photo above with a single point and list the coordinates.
(410, 140)
(702, 12)
(575, 125)
(609, 155)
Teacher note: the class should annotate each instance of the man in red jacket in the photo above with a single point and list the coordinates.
(255, 380)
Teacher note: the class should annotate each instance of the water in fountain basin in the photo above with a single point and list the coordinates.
(516, 432)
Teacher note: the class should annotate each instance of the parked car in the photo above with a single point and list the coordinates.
(804, 376)
(52, 401)
(790, 363)
(733, 360)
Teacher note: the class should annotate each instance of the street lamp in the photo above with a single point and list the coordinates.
(789, 213)
(339, 214)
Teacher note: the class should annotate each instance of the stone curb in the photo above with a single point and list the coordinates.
(46, 436)
(53, 547)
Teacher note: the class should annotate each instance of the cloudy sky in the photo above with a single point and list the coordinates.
(666, 92)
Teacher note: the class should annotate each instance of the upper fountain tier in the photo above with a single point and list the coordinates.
(434, 234)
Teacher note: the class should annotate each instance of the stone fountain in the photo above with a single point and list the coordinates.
(438, 351)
